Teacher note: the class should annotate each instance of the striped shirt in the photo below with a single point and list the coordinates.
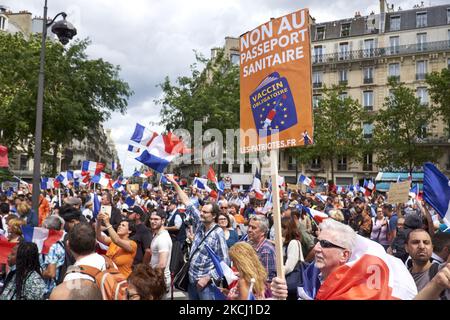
(201, 264)
(266, 254)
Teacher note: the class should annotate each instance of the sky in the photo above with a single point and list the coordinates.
(152, 39)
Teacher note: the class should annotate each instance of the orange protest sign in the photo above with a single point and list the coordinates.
(275, 80)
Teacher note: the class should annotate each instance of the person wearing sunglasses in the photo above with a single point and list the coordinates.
(333, 249)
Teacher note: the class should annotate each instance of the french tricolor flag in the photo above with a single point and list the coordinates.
(316, 215)
(436, 191)
(94, 168)
(158, 155)
(143, 136)
(201, 184)
(370, 274)
(304, 180)
(42, 237)
(47, 183)
(118, 185)
(133, 149)
(65, 177)
(256, 186)
(103, 179)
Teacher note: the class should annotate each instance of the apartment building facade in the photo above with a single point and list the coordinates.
(361, 53)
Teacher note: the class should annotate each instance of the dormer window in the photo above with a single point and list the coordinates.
(320, 33)
(345, 29)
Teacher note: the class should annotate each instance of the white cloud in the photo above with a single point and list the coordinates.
(150, 39)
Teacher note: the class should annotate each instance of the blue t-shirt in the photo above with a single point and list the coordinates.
(393, 222)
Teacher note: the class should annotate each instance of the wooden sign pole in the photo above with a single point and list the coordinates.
(276, 213)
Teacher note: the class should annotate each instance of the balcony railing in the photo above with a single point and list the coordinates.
(420, 76)
(367, 167)
(368, 108)
(342, 167)
(368, 80)
(318, 58)
(383, 52)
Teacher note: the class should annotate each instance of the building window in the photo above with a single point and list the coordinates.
(368, 162)
(345, 29)
(368, 100)
(422, 134)
(421, 19)
(318, 54)
(344, 51)
(343, 96)
(315, 164)
(236, 168)
(342, 163)
(2, 23)
(23, 162)
(421, 70)
(394, 70)
(369, 48)
(422, 94)
(317, 79)
(235, 59)
(448, 64)
(395, 23)
(367, 130)
(320, 33)
(292, 163)
(316, 100)
(247, 168)
(421, 41)
(368, 75)
(448, 15)
(394, 45)
(343, 76)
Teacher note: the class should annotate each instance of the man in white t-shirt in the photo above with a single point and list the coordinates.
(161, 245)
(81, 244)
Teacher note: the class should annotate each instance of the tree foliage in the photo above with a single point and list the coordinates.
(399, 130)
(210, 95)
(80, 93)
(439, 90)
(337, 127)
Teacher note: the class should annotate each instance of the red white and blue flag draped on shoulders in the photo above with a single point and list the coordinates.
(370, 274)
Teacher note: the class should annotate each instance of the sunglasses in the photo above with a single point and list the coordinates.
(328, 244)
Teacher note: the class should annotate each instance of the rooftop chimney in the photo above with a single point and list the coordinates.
(382, 8)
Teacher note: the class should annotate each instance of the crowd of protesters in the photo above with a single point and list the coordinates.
(150, 234)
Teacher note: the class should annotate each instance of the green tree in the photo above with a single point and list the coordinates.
(79, 93)
(337, 127)
(400, 129)
(210, 95)
(439, 90)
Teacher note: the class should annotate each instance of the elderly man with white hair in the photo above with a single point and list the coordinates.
(351, 267)
(333, 249)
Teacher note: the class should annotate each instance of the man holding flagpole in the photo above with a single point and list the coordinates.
(203, 276)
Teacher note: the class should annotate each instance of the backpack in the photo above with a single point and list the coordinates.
(110, 281)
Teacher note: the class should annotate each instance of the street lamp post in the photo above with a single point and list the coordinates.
(65, 31)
